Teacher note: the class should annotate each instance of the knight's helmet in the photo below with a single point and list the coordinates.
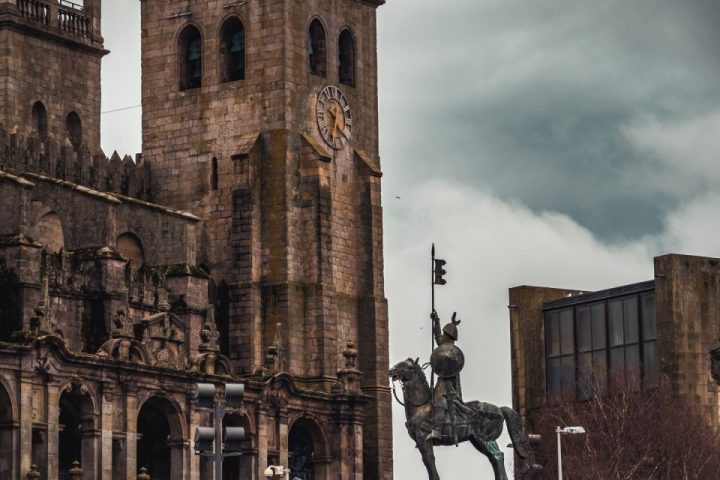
(451, 331)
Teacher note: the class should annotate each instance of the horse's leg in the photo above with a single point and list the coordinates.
(494, 454)
(428, 457)
(498, 460)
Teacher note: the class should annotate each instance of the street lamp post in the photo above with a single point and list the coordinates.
(565, 430)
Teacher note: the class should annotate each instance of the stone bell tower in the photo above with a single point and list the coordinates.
(50, 70)
(261, 118)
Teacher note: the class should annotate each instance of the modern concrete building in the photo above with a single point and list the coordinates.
(569, 344)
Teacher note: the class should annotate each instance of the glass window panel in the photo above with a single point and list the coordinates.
(632, 366)
(584, 337)
(598, 326)
(650, 364)
(630, 314)
(615, 317)
(552, 332)
(600, 371)
(553, 381)
(567, 367)
(648, 316)
(617, 367)
(567, 338)
(585, 376)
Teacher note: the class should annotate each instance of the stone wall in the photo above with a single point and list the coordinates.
(43, 62)
(687, 305)
(292, 229)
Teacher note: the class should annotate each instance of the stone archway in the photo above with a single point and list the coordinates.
(77, 439)
(307, 450)
(7, 435)
(239, 468)
(160, 444)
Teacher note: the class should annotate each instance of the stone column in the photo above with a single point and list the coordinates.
(131, 413)
(283, 420)
(53, 431)
(106, 430)
(197, 417)
(25, 407)
(262, 439)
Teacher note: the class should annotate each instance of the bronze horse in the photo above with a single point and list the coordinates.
(482, 427)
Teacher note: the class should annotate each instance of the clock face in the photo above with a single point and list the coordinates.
(334, 117)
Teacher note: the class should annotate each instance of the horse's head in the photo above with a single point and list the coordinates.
(405, 370)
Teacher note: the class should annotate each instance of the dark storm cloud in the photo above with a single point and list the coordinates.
(540, 101)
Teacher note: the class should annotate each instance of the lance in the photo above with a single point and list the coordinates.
(436, 278)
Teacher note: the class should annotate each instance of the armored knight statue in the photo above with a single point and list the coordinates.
(446, 361)
(439, 417)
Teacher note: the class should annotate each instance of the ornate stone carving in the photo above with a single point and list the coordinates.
(43, 322)
(273, 356)
(349, 377)
(210, 360)
(275, 396)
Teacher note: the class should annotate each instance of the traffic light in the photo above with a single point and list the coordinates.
(439, 272)
(205, 395)
(204, 439)
(234, 437)
(234, 393)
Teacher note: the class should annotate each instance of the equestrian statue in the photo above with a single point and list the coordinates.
(438, 416)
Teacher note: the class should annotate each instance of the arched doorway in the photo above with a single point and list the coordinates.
(77, 436)
(239, 468)
(7, 429)
(306, 450)
(160, 439)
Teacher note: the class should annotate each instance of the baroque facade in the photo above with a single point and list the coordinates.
(244, 244)
(568, 345)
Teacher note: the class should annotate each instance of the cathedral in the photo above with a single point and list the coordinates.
(243, 245)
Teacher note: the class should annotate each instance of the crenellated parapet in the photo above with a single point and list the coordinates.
(60, 160)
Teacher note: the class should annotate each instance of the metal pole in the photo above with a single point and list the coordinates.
(432, 328)
(559, 448)
(218, 451)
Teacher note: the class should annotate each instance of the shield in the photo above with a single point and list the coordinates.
(447, 360)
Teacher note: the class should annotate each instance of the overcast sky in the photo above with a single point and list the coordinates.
(549, 142)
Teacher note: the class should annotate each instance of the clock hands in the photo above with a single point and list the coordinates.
(335, 113)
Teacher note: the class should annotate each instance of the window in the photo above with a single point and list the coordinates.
(599, 346)
(190, 52)
(346, 58)
(39, 120)
(214, 174)
(73, 126)
(318, 56)
(232, 51)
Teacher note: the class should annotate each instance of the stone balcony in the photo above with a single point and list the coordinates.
(61, 16)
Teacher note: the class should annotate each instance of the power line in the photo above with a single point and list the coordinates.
(121, 109)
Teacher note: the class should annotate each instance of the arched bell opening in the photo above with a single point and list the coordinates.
(39, 120)
(73, 127)
(77, 437)
(160, 445)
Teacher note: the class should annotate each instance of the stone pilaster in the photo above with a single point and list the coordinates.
(53, 431)
(106, 430)
(131, 414)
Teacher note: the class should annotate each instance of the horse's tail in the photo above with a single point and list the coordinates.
(515, 429)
